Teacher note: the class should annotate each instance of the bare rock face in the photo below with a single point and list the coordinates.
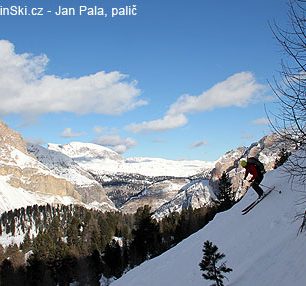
(9, 137)
(24, 171)
(30, 180)
(87, 188)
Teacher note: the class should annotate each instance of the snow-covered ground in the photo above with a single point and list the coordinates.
(262, 247)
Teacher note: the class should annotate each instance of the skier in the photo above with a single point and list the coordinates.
(252, 166)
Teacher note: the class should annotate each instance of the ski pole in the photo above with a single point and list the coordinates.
(264, 186)
(268, 187)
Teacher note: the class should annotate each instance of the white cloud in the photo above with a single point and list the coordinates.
(26, 89)
(116, 143)
(199, 144)
(169, 121)
(261, 121)
(99, 129)
(68, 133)
(238, 90)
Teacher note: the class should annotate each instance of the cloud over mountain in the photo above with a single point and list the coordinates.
(69, 133)
(115, 142)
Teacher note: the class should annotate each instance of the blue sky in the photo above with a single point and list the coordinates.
(181, 80)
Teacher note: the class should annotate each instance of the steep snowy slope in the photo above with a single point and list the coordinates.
(100, 160)
(262, 247)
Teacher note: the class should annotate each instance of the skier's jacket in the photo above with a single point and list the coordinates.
(255, 168)
(259, 166)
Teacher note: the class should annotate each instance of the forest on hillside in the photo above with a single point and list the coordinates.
(66, 244)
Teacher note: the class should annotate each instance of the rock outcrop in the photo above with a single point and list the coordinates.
(24, 171)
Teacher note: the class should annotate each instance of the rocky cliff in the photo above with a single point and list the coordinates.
(20, 169)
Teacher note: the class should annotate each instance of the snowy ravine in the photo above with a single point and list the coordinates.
(262, 247)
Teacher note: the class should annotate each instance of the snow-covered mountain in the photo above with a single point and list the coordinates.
(262, 247)
(135, 182)
(61, 165)
(87, 173)
(195, 194)
(25, 180)
(101, 160)
(99, 177)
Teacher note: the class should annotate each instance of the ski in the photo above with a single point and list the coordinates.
(252, 205)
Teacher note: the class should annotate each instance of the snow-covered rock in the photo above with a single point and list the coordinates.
(195, 194)
(21, 170)
(65, 167)
(26, 180)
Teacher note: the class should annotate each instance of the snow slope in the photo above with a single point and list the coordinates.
(262, 247)
(13, 198)
(61, 165)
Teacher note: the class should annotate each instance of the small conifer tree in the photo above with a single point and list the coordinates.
(209, 264)
(226, 196)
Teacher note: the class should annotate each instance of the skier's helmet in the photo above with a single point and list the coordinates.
(243, 163)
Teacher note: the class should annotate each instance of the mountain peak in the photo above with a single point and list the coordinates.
(11, 138)
(79, 150)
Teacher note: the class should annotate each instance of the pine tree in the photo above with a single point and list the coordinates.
(73, 229)
(7, 273)
(168, 227)
(2, 255)
(113, 260)
(146, 236)
(226, 196)
(209, 266)
(15, 256)
(27, 243)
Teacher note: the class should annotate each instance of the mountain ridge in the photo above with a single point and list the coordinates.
(99, 177)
